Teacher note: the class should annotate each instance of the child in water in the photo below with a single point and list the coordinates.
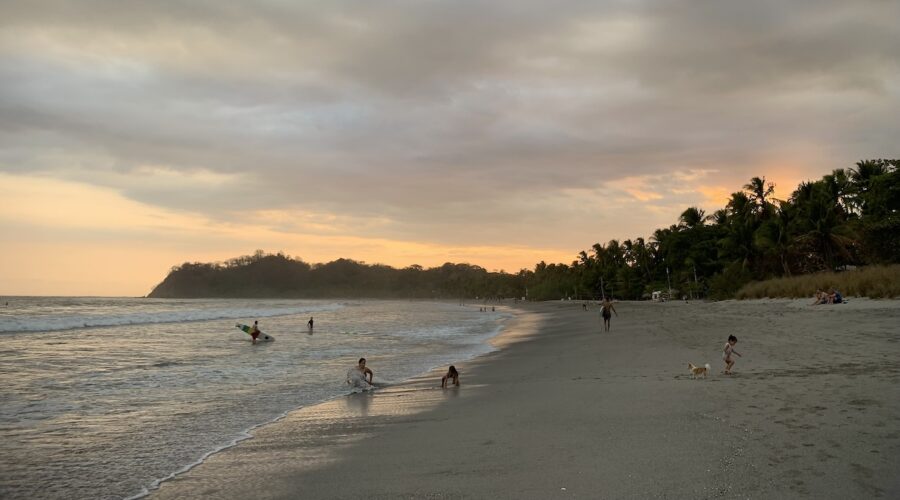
(452, 374)
(727, 352)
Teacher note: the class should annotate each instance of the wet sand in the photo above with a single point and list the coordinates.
(567, 411)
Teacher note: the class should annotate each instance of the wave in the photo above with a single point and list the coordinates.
(57, 322)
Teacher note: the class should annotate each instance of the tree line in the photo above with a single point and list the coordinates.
(850, 217)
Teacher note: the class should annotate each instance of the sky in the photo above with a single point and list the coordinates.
(139, 135)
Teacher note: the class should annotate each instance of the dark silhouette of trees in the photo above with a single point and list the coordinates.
(849, 217)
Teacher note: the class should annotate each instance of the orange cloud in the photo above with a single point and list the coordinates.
(75, 239)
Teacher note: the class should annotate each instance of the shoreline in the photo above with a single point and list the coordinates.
(507, 334)
(572, 412)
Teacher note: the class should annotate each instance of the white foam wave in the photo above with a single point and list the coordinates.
(56, 322)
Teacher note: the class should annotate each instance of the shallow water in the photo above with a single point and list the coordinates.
(107, 411)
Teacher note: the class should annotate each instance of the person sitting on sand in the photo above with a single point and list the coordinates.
(605, 309)
(820, 298)
(834, 296)
(254, 332)
(360, 375)
(453, 375)
(727, 352)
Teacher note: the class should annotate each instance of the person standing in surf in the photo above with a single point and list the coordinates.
(310, 324)
(254, 332)
(605, 309)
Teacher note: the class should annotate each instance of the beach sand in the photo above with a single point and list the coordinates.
(564, 410)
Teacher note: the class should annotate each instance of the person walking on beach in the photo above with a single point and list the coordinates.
(310, 323)
(360, 376)
(254, 332)
(727, 352)
(453, 375)
(605, 309)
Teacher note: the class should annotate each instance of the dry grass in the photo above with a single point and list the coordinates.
(877, 282)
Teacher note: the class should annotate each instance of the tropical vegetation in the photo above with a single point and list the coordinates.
(848, 218)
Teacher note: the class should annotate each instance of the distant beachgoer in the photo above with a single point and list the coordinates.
(453, 375)
(834, 297)
(310, 323)
(727, 352)
(584, 306)
(493, 309)
(254, 332)
(605, 309)
(360, 376)
(820, 298)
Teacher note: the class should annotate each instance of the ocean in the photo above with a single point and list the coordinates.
(106, 397)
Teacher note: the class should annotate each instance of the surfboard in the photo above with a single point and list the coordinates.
(264, 337)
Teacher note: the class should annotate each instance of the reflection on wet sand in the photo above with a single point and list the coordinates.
(309, 439)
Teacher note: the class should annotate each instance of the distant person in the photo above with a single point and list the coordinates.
(834, 296)
(360, 376)
(493, 309)
(727, 351)
(453, 375)
(584, 306)
(310, 323)
(605, 309)
(819, 298)
(254, 332)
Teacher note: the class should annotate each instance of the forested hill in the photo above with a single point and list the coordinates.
(278, 275)
(848, 218)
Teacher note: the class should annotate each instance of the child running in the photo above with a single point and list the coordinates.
(727, 352)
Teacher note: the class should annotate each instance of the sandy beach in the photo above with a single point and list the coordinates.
(563, 410)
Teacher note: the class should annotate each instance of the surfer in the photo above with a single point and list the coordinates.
(360, 375)
(453, 375)
(310, 323)
(254, 332)
(605, 309)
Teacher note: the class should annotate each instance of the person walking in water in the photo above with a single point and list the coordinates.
(254, 332)
(605, 309)
(310, 323)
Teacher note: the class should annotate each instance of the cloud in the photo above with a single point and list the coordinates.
(450, 123)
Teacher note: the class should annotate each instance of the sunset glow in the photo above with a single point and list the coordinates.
(136, 138)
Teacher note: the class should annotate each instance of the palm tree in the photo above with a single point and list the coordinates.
(737, 244)
(862, 176)
(775, 235)
(759, 192)
(692, 217)
(719, 217)
(824, 227)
